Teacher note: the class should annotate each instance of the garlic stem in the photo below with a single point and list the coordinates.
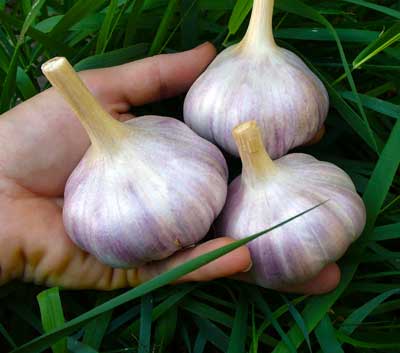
(101, 127)
(259, 33)
(257, 164)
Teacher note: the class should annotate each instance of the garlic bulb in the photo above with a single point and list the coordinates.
(270, 192)
(144, 189)
(256, 79)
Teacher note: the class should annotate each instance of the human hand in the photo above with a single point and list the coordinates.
(42, 142)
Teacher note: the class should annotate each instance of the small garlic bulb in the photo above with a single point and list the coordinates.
(270, 192)
(257, 79)
(144, 189)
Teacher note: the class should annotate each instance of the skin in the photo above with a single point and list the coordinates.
(42, 142)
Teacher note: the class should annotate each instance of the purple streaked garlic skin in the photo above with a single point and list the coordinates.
(256, 79)
(144, 189)
(158, 193)
(268, 193)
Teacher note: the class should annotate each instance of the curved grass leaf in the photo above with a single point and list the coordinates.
(8, 87)
(239, 14)
(52, 315)
(383, 9)
(369, 345)
(160, 309)
(390, 231)
(105, 30)
(96, 330)
(145, 323)
(299, 320)
(375, 104)
(389, 37)
(7, 336)
(200, 343)
(358, 316)
(325, 333)
(264, 307)
(323, 34)
(237, 340)
(132, 22)
(212, 333)
(206, 311)
(78, 11)
(113, 58)
(75, 346)
(41, 343)
(165, 329)
(162, 31)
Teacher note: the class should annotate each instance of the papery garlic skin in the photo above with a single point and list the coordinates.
(300, 249)
(158, 193)
(258, 80)
(144, 189)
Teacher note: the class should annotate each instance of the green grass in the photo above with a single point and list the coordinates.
(353, 45)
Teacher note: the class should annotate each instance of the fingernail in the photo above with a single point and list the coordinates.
(248, 268)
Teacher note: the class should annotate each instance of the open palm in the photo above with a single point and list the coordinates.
(42, 142)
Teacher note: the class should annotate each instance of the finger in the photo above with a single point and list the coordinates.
(327, 280)
(42, 141)
(35, 248)
(151, 79)
(227, 265)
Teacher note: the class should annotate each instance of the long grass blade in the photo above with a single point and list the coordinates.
(358, 316)
(41, 343)
(326, 336)
(52, 315)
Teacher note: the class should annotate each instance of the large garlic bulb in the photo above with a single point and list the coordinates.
(268, 193)
(144, 189)
(258, 80)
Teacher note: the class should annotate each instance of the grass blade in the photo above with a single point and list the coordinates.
(80, 9)
(162, 31)
(166, 329)
(382, 178)
(326, 336)
(391, 36)
(132, 22)
(113, 58)
(145, 324)
(7, 336)
(8, 88)
(33, 13)
(52, 315)
(383, 9)
(264, 307)
(41, 343)
(378, 105)
(237, 339)
(95, 330)
(239, 14)
(75, 346)
(213, 334)
(200, 343)
(299, 321)
(357, 317)
(105, 29)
